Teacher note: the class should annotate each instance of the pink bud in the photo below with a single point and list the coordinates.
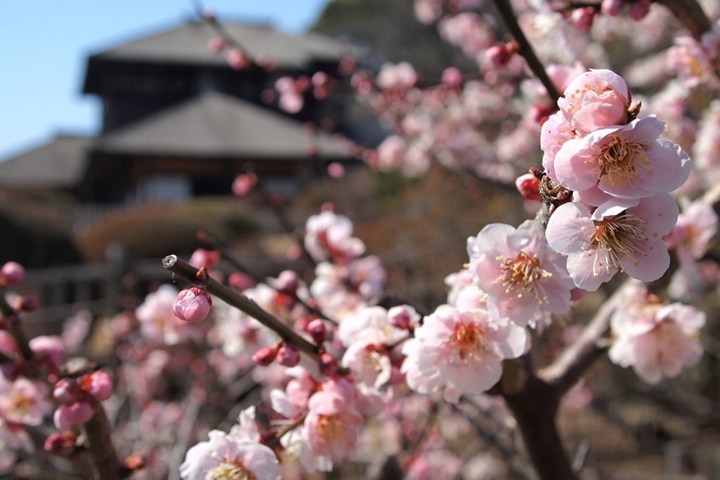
(265, 356)
(237, 59)
(99, 384)
(639, 9)
(500, 55)
(217, 44)
(67, 391)
(244, 183)
(529, 186)
(58, 441)
(11, 273)
(582, 18)
(240, 281)
(288, 281)
(204, 258)
(319, 79)
(452, 77)
(328, 364)
(317, 330)
(68, 415)
(26, 304)
(192, 305)
(288, 355)
(612, 7)
(266, 62)
(8, 346)
(48, 347)
(336, 170)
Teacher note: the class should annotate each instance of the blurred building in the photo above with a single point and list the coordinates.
(178, 121)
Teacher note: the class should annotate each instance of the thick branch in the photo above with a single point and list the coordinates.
(99, 439)
(577, 358)
(534, 405)
(526, 50)
(231, 297)
(690, 14)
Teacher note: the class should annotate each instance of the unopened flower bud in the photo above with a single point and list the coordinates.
(582, 18)
(237, 59)
(26, 304)
(135, 462)
(68, 415)
(612, 7)
(317, 330)
(67, 391)
(217, 44)
(265, 356)
(499, 55)
(336, 170)
(288, 355)
(11, 273)
(529, 186)
(192, 305)
(240, 281)
(59, 441)
(639, 9)
(452, 77)
(288, 282)
(99, 384)
(328, 364)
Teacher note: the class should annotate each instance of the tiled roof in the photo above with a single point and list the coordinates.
(188, 45)
(218, 125)
(59, 163)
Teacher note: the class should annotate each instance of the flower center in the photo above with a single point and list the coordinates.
(21, 403)
(231, 470)
(617, 239)
(468, 340)
(333, 431)
(522, 275)
(622, 162)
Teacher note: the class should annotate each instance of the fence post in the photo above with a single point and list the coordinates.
(117, 262)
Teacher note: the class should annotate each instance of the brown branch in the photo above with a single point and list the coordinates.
(178, 267)
(526, 49)
(577, 358)
(534, 404)
(100, 446)
(690, 15)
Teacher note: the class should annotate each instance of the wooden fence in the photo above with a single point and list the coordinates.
(105, 289)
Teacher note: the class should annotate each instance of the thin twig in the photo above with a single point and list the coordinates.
(526, 50)
(183, 269)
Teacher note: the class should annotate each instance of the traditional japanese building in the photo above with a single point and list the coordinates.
(178, 121)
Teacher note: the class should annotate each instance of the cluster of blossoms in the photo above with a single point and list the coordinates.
(621, 173)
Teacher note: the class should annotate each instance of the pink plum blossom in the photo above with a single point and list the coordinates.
(224, 457)
(463, 294)
(525, 280)
(595, 99)
(24, 401)
(331, 426)
(615, 237)
(656, 340)
(460, 352)
(624, 161)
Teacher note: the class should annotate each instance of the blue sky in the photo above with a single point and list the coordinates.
(44, 43)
